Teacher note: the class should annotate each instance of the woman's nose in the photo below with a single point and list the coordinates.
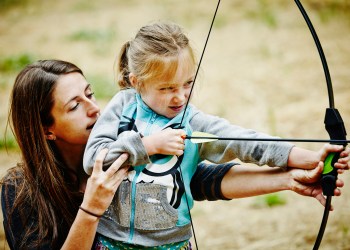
(93, 108)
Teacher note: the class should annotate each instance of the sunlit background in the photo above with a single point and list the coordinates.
(261, 70)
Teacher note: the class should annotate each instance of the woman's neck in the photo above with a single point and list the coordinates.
(72, 155)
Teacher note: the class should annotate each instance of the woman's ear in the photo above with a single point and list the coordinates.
(49, 135)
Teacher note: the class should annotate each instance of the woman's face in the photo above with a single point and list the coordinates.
(74, 111)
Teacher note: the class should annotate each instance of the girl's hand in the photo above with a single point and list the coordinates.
(102, 185)
(307, 159)
(343, 162)
(306, 183)
(166, 142)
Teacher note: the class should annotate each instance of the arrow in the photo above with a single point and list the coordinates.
(202, 137)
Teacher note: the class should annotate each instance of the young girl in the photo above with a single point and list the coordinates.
(151, 206)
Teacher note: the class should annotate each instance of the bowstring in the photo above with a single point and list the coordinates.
(183, 116)
(200, 61)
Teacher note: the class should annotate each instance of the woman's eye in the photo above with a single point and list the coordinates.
(75, 107)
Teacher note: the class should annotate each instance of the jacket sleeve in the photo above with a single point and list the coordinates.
(206, 181)
(105, 135)
(274, 154)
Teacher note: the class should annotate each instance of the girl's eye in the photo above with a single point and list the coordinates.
(90, 95)
(188, 84)
(167, 88)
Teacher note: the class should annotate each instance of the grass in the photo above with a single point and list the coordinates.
(270, 200)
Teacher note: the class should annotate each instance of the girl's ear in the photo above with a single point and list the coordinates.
(133, 80)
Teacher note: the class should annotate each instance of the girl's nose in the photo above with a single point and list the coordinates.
(180, 96)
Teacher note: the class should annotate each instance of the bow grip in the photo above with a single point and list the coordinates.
(335, 127)
(329, 175)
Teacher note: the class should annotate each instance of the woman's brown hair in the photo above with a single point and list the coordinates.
(43, 188)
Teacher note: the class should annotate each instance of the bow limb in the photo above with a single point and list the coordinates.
(335, 128)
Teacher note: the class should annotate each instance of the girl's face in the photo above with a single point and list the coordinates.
(74, 111)
(168, 95)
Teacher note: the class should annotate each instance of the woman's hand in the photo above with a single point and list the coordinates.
(102, 185)
(99, 192)
(306, 182)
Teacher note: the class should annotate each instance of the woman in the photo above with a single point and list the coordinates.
(48, 201)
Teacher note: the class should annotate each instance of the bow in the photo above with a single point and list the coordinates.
(335, 127)
(333, 124)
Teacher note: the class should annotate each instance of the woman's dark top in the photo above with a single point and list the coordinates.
(205, 185)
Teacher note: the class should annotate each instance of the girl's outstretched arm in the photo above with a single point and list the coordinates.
(307, 159)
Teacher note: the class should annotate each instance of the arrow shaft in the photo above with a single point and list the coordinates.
(268, 139)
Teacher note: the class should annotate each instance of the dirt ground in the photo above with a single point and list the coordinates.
(261, 70)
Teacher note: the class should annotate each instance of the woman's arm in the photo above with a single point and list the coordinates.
(230, 181)
(242, 182)
(100, 189)
(99, 192)
(245, 181)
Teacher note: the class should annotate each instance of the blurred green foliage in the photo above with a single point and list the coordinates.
(103, 87)
(99, 40)
(4, 3)
(15, 63)
(93, 35)
(270, 200)
(8, 143)
(263, 13)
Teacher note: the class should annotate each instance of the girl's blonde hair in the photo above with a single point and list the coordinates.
(155, 50)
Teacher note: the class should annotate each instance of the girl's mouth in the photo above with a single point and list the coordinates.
(176, 108)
